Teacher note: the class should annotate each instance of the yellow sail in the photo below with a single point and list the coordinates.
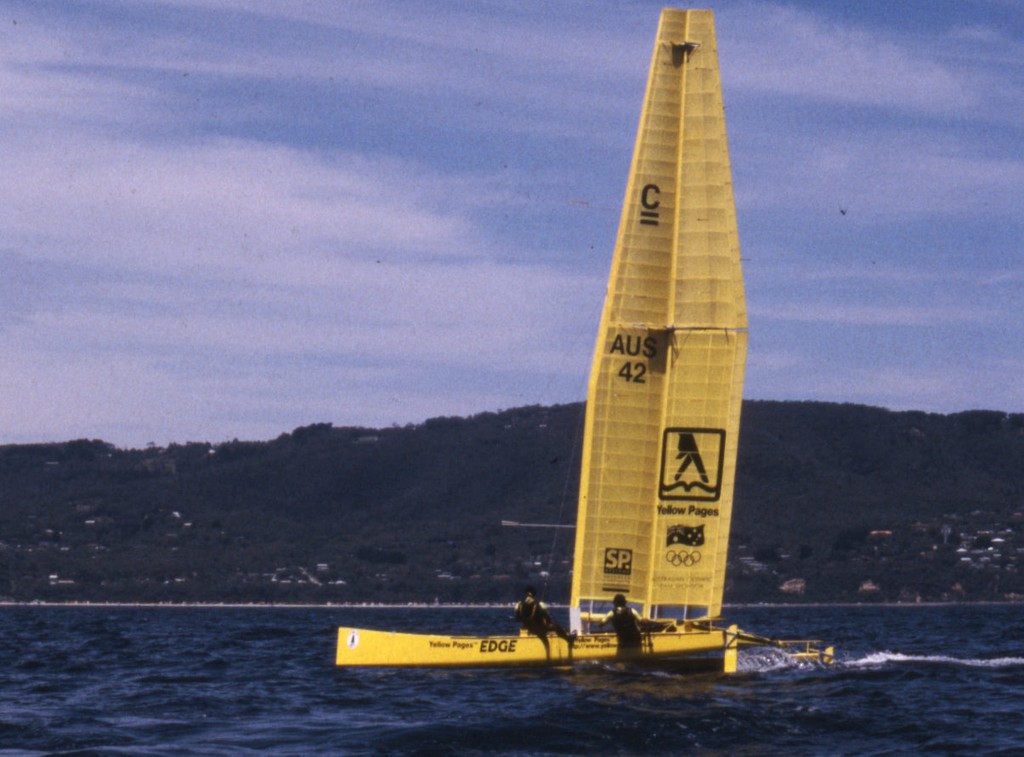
(663, 406)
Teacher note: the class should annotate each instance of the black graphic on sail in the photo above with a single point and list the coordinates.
(691, 463)
(680, 537)
(689, 455)
(690, 536)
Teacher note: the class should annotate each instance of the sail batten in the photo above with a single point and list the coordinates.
(666, 382)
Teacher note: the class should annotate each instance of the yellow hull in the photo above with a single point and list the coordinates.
(364, 648)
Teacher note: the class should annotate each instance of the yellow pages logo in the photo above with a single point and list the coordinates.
(691, 464)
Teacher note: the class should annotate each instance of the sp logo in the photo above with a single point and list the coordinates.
(618, 561)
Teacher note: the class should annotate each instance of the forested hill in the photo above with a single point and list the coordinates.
(834, 503)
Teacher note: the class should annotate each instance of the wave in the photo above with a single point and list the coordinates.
(766, 660)
(879, 659)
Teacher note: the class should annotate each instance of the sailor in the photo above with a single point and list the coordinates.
(626, 622)
(535, 618)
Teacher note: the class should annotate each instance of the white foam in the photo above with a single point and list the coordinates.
(764, 660)
(879, 659)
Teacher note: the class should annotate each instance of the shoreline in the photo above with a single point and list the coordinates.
(462, 606)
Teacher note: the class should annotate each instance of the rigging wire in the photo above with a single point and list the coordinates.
(571, 468)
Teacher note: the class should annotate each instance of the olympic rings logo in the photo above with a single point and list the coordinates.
(682, 557)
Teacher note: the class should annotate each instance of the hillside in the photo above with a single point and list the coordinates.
(834, 503)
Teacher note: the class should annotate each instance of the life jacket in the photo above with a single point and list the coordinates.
(626, 626)
(526, 612)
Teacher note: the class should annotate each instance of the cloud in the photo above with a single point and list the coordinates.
(195, 281)
(216, 203)
(881, 121)
(226, 218)
(229, 65)
(250, 361)
(879, 315)
(789, 51)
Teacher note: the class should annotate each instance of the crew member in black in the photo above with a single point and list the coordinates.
(535, 618)
(626, 622)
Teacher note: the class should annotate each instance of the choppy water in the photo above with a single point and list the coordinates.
(215, 681)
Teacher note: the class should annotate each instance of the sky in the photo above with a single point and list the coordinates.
(223, 219)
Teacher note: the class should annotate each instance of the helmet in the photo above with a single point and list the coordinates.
(530, 591)
(619, 601)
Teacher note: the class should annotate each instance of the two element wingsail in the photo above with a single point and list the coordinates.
(663, 406)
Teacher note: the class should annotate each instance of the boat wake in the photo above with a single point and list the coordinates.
(769, 660)
(882, 659)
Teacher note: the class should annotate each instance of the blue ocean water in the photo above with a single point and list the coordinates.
(223, 681)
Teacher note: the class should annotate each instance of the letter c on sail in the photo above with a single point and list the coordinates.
(645, 197)
(649, 202)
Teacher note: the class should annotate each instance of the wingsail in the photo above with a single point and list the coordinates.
(666, 383)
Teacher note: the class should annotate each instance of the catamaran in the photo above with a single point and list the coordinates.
(663, 404)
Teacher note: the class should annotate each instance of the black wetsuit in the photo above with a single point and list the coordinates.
(627, 627)
(537, 620)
